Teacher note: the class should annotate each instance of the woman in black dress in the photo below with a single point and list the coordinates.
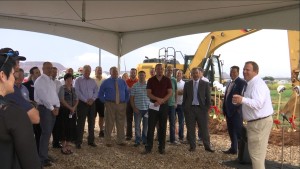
(17, 144)
(69, 101)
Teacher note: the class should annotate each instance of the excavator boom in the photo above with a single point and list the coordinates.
(212, 42)
(293, 105)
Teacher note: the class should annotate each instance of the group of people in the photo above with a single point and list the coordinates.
(60, 108)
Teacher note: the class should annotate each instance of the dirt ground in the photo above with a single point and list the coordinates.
(176, 156)
(291, 138)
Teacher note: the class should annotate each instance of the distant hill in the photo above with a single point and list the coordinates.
(28, 65)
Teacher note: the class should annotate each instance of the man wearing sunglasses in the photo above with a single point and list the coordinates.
(17, 97)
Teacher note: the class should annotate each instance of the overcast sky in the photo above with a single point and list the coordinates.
(269, 48)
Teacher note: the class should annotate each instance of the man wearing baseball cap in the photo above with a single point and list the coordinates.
(17, 97)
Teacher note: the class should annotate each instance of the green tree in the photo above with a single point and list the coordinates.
(270, 78)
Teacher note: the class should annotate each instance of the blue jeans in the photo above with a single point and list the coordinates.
(180, 115)
(137, 121)
(172, 117)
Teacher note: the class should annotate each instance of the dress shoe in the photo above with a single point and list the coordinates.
(200, 142)
(56, 145)
(51, 159)
(210, 149)
(92, 144)
(146, 152)
(46, 163)
(161, 151)
(185, 142)
(101, 134)
(175, 143)
(78, 146)
(136, 144)
(192, 149)
(230, 151)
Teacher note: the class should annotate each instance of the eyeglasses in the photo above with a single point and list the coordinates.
(10, 53)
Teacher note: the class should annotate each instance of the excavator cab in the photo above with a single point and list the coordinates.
(212, 68)
(187, 61)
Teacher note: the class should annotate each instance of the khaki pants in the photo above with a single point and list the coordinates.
(258, 133)
(115, 113)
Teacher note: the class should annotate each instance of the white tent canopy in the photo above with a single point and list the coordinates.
(122, 26)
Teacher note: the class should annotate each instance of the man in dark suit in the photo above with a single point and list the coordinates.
(233, 112)
(196, 102)
(34, 74)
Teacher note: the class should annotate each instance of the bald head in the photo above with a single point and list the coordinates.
(47, 68)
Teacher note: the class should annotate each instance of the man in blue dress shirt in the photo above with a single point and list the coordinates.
(114, 93)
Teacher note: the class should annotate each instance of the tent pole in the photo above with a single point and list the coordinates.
(120, 50)
(100, 57)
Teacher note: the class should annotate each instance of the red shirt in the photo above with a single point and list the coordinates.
(159, 88)
(131, 82)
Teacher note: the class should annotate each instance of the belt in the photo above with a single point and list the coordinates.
(258, 119)
(45, 106)
(195, 105)
(112, 101)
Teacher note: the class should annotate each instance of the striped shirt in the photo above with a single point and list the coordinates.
(141, 100)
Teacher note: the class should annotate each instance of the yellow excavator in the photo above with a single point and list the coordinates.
(293, 105)
(212, 66)
(203, 57)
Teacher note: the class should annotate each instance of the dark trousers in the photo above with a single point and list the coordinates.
(99, 108)
(179, 111)
(234, 125)
(160, 116)
(129, 119)
(199, 116)
(85, 111)
(47, 121)
(68, 124)
(56, 130)
(37, 134)
(172, 120)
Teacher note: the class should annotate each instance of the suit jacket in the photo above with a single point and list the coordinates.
(203, 95)
(228, 108)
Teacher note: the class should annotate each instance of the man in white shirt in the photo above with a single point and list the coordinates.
(46, 97)
(179, 110)
(99, 105)
(56, 81)
(57, 126)
(257, 111)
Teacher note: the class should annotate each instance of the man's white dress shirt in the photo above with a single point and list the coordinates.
(257, 101)
(45, 92)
